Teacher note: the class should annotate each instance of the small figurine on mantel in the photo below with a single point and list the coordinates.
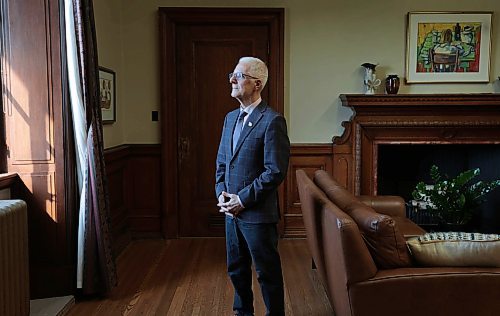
(371, 82)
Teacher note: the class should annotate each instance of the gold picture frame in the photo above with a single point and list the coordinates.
(444, 47)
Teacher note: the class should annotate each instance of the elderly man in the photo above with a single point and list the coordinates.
(251, 163)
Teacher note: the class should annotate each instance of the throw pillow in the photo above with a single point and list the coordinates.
(456, 249)
(382, 237)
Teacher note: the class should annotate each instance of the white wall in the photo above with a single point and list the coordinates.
(326, 41)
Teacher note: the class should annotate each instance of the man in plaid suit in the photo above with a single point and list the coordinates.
(251, 163)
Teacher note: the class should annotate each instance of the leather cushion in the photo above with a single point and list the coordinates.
(456, 249)
(382, 237)
(385, 241)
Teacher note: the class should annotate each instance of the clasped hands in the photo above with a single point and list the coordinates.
(229, 204)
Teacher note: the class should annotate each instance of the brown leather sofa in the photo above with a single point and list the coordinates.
(347, 241)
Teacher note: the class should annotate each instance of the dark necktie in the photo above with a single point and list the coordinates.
(238, 128)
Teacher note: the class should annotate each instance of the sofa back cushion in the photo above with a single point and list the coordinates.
(386, 243)
(335, 192)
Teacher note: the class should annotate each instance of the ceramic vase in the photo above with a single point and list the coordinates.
(392, 84)
(371, 82)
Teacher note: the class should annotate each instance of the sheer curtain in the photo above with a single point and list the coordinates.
(96, 272)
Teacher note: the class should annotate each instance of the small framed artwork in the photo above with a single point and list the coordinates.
(107, 94)
(448, 47)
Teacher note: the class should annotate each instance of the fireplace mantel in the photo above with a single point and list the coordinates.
(408, 119)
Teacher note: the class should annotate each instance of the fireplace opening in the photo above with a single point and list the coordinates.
(401, 166)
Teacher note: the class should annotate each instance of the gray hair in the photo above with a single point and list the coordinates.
(257, 68)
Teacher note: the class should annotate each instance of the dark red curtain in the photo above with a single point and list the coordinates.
(99, 271)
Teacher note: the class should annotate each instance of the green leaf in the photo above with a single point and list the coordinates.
(435, 175)
(466, 176)
(461, 201)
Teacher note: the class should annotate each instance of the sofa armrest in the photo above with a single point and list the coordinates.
(391, 205)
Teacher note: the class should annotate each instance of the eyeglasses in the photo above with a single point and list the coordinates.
(240, 75)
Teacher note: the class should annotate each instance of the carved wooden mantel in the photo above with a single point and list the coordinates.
(408, 119)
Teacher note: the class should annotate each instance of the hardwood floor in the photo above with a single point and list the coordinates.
(188, 277)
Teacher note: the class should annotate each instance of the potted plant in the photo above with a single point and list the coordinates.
(454, 199)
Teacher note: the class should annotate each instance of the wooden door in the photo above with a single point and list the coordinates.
(205, 52)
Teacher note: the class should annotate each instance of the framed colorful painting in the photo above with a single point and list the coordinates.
(448, 47)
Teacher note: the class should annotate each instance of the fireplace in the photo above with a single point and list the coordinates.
(392, 140)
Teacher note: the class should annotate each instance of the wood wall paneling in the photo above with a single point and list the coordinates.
(144, 191)
(133, 173)
(116, 172)
(33, 99)
(135, 189)
(309, 157)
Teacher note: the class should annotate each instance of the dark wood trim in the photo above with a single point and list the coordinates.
(8, 180)
(169, 18)
(457, 100)
(168, 100)
(419, 104)
(123, 151)
(311, 149)
(116, 153)
(274, 17)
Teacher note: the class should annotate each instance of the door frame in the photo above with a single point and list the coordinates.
(169, 19)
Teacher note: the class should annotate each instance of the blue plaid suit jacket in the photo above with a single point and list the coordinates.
(258, 165)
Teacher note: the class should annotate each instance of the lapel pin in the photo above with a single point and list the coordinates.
(250, 124)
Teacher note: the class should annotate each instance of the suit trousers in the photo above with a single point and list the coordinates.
(247, 242)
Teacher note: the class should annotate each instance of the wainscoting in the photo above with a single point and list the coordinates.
(309, 157)
(134, 181)
(133, 173)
